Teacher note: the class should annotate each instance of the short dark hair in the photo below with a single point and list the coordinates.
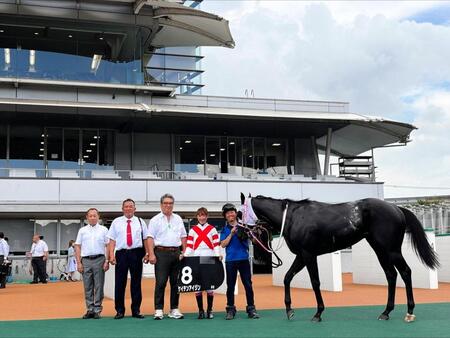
(2, 235)
(90, 209)
(166, 195)
(128, 200)
(202, 210)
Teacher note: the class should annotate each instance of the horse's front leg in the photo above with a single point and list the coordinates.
(295, 268)
(315, 282)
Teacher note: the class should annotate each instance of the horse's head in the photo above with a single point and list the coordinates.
(266, 210)
(248, 215)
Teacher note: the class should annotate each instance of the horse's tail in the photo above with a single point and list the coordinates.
(419, 240)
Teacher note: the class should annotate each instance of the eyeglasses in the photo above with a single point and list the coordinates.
(168, 203)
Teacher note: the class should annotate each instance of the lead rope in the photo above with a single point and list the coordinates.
(269, 247)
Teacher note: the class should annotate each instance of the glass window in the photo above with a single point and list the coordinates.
(47, 228)
(212, 155)
(224, 163)
(189, 154)
(3, 145)
(54, 147)
(276, 156)
(71, 148)
(63, 53)
(68, 230)
(259, 158)
(106, 148)
(235, 155)
(26, 147)
(20, 234)
(247, 156)
(90, 148)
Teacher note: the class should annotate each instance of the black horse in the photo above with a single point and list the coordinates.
(313, 228)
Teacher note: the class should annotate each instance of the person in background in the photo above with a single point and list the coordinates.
(203, 240)
(4, 266)
(71, 261)
(236, 246)
(39, 257)
(92, 262)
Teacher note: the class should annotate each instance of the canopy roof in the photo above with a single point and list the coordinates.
(352, 134)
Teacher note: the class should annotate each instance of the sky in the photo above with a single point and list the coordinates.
(387, 59)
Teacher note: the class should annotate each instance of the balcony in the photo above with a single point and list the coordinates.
(63, 191)
(51, 66)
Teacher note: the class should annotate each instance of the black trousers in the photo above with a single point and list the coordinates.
(167, 267)
(128, 260)
(3, 272)
(232, 269)
(39, 269)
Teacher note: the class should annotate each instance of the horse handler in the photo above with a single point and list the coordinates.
(236, 245)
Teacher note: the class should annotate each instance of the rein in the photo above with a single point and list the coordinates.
(251, 229)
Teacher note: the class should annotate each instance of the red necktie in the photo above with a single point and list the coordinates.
(129, 238)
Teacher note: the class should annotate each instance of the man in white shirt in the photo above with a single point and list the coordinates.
(4, 267)
(90, 251)
(39, 256)
(128, 238)
(166, 235)
(4, 246)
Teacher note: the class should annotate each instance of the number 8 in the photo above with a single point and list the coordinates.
(186, 275)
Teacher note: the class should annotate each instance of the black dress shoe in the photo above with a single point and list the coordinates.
(118, 315)
(137, 315)
(33, 282)
(96, 315)
(88, 315)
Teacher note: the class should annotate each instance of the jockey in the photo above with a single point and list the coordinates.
(203, 240)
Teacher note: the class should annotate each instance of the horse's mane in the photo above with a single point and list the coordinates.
(304, 201)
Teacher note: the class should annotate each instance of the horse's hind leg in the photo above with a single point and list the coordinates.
(391, 276)
(315, 282)
(296, 266)
(405, 273)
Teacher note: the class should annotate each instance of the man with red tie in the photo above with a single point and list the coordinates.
(128, 238)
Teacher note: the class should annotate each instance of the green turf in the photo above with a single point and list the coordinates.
(433, 320)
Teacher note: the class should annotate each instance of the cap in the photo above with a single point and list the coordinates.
(228, 207)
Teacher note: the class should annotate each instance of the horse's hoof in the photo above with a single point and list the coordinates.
(410, 318)
(290, 314)
(316, 319)
(383, 317)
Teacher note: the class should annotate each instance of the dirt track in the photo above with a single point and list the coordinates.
(66, 300)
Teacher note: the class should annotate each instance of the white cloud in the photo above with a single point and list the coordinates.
(364, 53)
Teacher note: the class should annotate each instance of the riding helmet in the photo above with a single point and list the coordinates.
(228, 207)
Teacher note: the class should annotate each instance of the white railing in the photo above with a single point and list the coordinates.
(111, 174)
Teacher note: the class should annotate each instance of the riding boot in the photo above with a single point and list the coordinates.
(201, 311)
(251, 312)
(209, 313)
(231, 312)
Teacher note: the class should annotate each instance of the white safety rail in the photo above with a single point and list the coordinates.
(367, 269)
(443, 250)
(330, 272)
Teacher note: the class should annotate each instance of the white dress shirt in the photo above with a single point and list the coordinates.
(92, 239)
(4, 248)
(39, 249)
(118, 232)
(166, 232)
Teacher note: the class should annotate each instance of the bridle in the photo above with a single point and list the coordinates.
(256, 230)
